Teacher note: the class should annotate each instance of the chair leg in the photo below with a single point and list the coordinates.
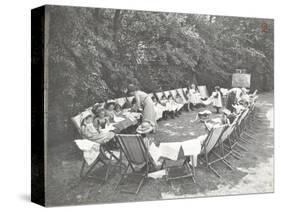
(140, 185)
(214, 171)
(247, 135)
(122, 177)
(192, 170)
(223, 160)
(91, 168)
(227, 164)
(243, 140)
(242, 147)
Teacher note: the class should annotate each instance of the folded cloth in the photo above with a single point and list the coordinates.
(170, 150)
(118, 119)
(154, 153)
(132, 116)
(108, 128)
(157, 174)
(191, 147)
(91, 150)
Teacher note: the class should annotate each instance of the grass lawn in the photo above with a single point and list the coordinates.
(252, 174)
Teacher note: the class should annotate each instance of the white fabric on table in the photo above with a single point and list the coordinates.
(170, 150)
(154, 153)
(90, 149)
(192, 148)
(118, 119)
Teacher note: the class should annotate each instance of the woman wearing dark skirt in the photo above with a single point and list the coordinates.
(144, 101)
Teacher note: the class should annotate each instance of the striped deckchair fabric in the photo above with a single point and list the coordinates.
(167, 93)
(180, 91)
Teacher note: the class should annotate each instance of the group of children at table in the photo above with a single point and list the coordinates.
(98, 125)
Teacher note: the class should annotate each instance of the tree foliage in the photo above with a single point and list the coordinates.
(94, 53)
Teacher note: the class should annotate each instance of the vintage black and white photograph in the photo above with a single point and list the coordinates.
(143, 105)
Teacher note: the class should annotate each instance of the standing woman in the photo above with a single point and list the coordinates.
(217, 99)
(143, 100)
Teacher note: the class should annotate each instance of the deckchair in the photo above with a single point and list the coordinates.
(182, 171)
(136, 153)
(167, 93)
(174, 93)
(227, 143)
(159, 95)
(241, 126)
(184, 90)
(180, 92)
(209, 148)
(86, 170)
(246, 123)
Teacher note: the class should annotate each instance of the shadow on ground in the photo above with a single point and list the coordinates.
(252, 174)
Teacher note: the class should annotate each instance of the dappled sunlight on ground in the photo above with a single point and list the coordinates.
(253, 173)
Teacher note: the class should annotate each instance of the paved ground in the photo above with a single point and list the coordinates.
(253, 173)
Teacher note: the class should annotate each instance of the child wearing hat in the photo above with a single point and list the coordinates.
(109, 111)
(101, 121)
(90, 132)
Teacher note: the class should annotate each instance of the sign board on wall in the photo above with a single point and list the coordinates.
(203, 91)
(241, 80)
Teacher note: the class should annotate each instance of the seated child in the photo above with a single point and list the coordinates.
(175, 107)
(109, 112)
(134, 106)
(101, 121)
(90, 132)
(158, 108)
(118, 110)
(182, 104)
(169, 110)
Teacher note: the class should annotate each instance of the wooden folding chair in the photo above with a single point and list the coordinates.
(159, 96)
(234, 139)
(227, 143)
(209, 148)
(136, 153)
(179, 91)
(240, 127)
(183, 171)
(87, 171)
(167, 93)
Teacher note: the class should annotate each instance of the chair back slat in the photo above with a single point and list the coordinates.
(174, 93)
(213, 138)
(184, 90)
(133, 147)
(228, 130)
(78, 119)
(167, 93)
(242, 116)
(159, 95)
(180, 92)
